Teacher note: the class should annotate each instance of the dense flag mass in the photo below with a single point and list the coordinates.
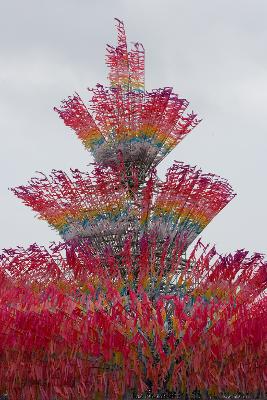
(130, 302)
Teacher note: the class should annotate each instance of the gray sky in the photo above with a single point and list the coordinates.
(212, 52)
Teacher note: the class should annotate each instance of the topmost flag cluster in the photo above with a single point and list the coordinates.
(124, 122)
(117, 310)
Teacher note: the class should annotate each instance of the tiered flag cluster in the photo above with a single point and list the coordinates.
(118, 309)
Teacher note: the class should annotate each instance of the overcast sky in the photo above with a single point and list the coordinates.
(212, 52)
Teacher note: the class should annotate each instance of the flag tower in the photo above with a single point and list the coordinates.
(115, 310)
